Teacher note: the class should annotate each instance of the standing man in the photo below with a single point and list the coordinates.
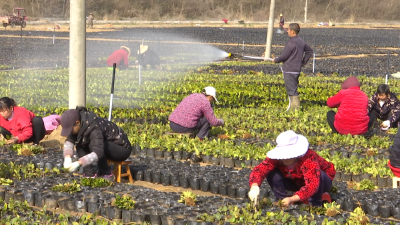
(294, 56)
(90, 20)
(281, 22)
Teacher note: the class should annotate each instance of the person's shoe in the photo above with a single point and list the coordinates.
(110, 177)
(90, 176)
(294, 103)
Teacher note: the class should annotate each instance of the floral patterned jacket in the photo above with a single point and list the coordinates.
(306, 173)
(390, 110)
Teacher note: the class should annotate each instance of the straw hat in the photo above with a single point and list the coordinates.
(127, 49)
(143, 49)
(280, 14)
(289, 145)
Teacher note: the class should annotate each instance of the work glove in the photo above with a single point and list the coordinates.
(385, 125)
(67, 162)
(74, 166)
(222, 122)
(254, 193)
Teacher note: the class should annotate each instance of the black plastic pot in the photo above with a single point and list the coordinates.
(81, 206)
(70, 204)
(382, 181)
(156, 177)
(165, 179)
(195, 158)
(214, 187)
(204, 184)
(186, 155)
(168, 155)
(159, 154)
(356, 177)
(38, 199)
(126, 216)
(338, 176)
(2, 193)
(142, 152)
(255, 162)
(138, 217)
(62, 203)
(344, 154)
(372, 209)
(155, 220)
(194, 183)
(223, 189)
(206, 158)
(50, 202)
(167, 220)
(384, 211)
(104, 210)
(93, 207)
(395, 212)
(174, 179)
(139, 175)
(238, 163)
(29, 196)
(215, 160)
(365, 176)
(348, 205)
(183, 181)
(374, 180)
(248, 163)
(241, 192)
(229, 162)
(177, 155)
(147, 175)
(150, 152)
(114, 213)
(231, 191)
(346, 176)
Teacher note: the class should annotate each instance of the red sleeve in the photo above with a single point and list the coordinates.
(126, 59)
(260, 172)
(334, 101)
(311, 172)
(208, 112)
(24, 124)
(327, 167)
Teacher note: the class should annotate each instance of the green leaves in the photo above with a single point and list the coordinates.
(124, 202)
(67, 187)
(96, 182)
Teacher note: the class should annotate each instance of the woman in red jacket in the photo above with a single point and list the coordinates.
(292, 166)
(352, 115)
(19, 124)
(120, 57)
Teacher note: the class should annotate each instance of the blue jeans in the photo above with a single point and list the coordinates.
(280, 185)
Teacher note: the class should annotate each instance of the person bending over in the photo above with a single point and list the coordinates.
(292, 166)
(352, 114)
(385, 106)
(195, 114)
(96, 140)
(19, 124)
(120, 57)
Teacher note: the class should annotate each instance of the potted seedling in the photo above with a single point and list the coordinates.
(332, 209)
(188, 197)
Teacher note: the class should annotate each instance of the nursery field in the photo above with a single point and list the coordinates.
(35, 190)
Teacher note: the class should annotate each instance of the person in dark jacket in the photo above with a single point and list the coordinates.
(195, 114)
(352, 115)
(281, 22)
(295, 55)
(96, 140)
(394, 151)
(120, 57)
(146, 56)
(385, 106)
(292, 166)
(19, 125)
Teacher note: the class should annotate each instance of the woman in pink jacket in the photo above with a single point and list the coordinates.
(18, 124)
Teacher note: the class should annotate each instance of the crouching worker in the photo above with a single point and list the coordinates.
(291, 166)
(195, 114)
(96, 140)
(119, 57)
(385, 106)
(19, 124)
(352, 115)
(394, 155)
(146, 56)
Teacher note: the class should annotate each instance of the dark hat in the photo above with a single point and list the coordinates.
(68, 119)
(351, 82)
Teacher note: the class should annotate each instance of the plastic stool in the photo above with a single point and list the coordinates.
(395, 181)
(117, 170)
(325, 197)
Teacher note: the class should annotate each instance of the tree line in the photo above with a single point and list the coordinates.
(248, 10)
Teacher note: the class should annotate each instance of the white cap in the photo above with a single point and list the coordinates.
(289, 145)
(211, 91)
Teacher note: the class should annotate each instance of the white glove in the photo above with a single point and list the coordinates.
(254, 193)
(74, 166)
(67, 162)
(385, 125)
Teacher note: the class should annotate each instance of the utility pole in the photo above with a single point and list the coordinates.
(305, 13)
(270, 30)
(77, 54)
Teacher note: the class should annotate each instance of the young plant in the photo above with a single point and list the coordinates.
(358, 217)
(67, 187)
(188, 197)
(366, 185)
(5, 181)
(124, 202)
(97, 182)
(332, 209)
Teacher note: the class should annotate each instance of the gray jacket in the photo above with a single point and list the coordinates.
(292, 55)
